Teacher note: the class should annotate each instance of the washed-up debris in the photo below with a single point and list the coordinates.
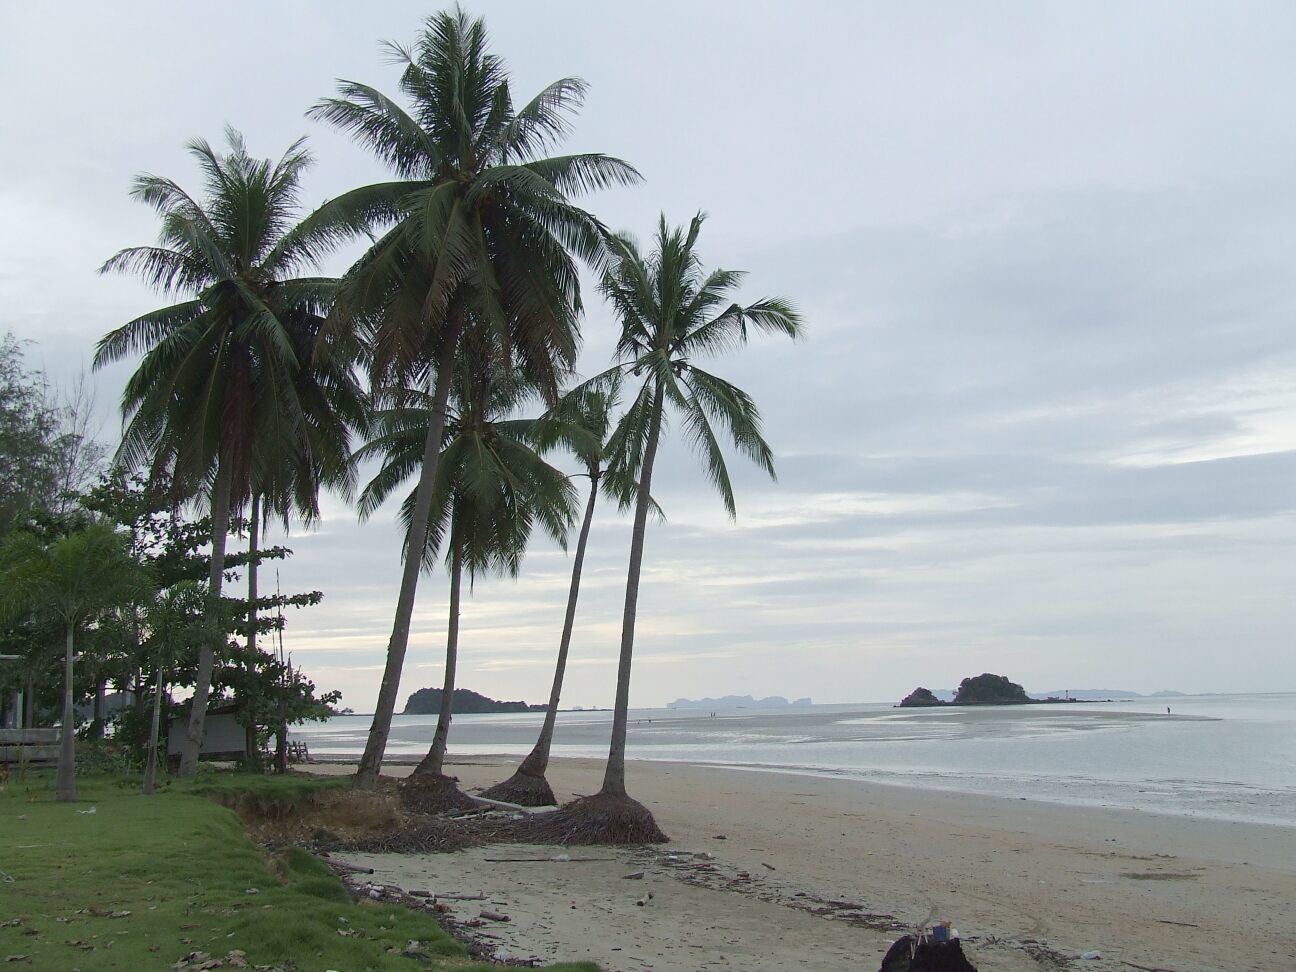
(201, 962)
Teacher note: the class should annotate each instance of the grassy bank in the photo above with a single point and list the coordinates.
(122, 881)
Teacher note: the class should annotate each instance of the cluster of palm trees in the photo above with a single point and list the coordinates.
(264, 384)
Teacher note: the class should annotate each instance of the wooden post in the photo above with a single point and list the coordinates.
(15, 719)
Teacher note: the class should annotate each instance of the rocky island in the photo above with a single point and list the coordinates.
(427, 701)
(984, 689)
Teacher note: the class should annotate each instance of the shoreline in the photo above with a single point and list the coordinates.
(401, 763)
(765, 868)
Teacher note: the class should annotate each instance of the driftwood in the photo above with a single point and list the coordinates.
(505, 805)
(349, 868)
(450, 896)
(495, 916)
(546, 860)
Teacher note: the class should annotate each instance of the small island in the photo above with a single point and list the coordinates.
(427, 701)
(984, 689)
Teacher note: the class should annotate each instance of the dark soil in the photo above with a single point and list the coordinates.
(523, 789)
(425, 794)
(599, 819)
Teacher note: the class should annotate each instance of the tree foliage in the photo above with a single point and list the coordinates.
(46, 452)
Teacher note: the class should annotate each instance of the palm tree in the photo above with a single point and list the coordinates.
(232, 388)
(75, 578)
(478, 223)
(492, 490)
(582, 423)
(671, 314)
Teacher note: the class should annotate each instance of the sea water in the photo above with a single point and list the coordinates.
(1227, 757)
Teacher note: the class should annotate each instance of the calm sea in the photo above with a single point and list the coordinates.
(1228, 757)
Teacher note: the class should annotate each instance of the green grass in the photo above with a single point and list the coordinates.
(190, 880)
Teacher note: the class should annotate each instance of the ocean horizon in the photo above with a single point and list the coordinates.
(1223, 757)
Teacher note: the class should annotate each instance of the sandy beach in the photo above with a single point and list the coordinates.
(775, 871)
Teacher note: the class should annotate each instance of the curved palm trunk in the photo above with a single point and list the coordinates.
(192, 744)
(65, 788)
(537, 761)
(434, 762)
(371, 762)
(150, 767)
(614, 777)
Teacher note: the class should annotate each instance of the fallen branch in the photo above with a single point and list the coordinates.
(349, 868)
(1185, 924)
(545, 860)
(504, 805)
(1146, 968)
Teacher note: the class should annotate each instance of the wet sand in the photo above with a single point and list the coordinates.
(776, 871)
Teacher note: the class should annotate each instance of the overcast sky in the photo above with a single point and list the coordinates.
(1044, 420)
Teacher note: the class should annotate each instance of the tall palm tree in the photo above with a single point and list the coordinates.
(74, 579)
(233, 387)
(492, 490)
(671, 314)
(479, 222)
(582, 423)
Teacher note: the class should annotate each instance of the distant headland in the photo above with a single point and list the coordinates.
(987, 689)
(427, 701)
(984, 689)
(736, 702)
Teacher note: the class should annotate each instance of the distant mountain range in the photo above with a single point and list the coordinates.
(735, 702)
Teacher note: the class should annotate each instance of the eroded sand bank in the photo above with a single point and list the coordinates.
(819, 873)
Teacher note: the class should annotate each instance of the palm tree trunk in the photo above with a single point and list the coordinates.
(537, 761)
(614, 777)
(252, 754)
(150, 767)
(65, 787)
(371, 762)
(97, 723)
(434, 762)
(254, 550)
(192, 744)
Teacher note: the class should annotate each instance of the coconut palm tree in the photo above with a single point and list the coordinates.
(672, 313)
(581, 422)
(478, 223)
(233, 388)
(492, 490)
(74, 578)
